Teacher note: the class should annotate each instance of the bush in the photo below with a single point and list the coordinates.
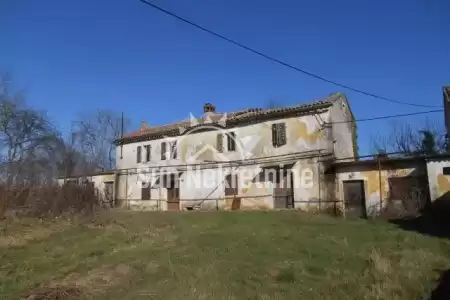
(48, 200)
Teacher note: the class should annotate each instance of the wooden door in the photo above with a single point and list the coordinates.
(173, 199)
(283, 194)
(354, 198)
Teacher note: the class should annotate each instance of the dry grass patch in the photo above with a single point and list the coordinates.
(379, 263)
(21, 234)
(56, 293)
(251, 255)
(83, 286)
(99, 279)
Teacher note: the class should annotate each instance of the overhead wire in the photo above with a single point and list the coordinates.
(388, 116)
(278, 61)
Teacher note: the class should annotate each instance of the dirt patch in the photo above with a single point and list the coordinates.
(79, 286)
(99, 279)
(56, 293)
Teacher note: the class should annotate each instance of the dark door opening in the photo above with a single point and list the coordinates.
(173, 199)
(173, 194)
(354, 198)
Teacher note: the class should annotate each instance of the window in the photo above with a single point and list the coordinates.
(219, 142)
(231, 185)
(145, 191)
(173, 150)
(231, 141)
(278, 134)
(148, 153)
(138, 154)
(446, 170)
(163, 150)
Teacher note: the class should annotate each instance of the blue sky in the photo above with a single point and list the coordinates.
(74, 56)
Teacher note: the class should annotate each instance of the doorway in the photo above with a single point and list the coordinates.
(109, 193)
(354, 199)
(173, 199)
(283, 193)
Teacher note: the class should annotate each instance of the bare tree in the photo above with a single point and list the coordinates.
(407, 140)
(95, 134)
(24, 136)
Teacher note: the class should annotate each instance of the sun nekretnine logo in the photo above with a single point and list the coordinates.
(225, 152)
(228, 148)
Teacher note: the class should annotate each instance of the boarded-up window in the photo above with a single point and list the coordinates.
(220, 142)
(163, 150)
(148, 153)
(145, 191)
(278, 134)
(139, 154)
(231, 141)
(173, 150)
(231, 185)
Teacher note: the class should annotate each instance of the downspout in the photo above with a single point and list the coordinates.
(381, 188)
(319, 179)
(159, 192)
(116, 186)
(126, 191)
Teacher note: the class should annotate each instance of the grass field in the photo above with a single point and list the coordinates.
(227, 255)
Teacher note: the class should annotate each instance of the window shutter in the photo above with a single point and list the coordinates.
(173, 150)
(138, 154)
(148, 153)
(281, 134)
(163, 151)
(231, 141)
(220, 142)
(274, 135)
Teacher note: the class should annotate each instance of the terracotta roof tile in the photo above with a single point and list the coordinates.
(232, 118)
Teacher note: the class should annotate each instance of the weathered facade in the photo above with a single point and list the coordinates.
(188, 165)
(381, 185)
(438, 169)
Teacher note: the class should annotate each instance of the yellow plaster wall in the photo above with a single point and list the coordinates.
(372, 184)
(302, 134)
(443, 183)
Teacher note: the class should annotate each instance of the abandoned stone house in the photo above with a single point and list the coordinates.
(302, 157)
(220, 147)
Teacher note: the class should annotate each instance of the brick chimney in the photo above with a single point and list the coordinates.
(209, 108)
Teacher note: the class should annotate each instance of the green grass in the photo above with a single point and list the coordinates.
(225, 255)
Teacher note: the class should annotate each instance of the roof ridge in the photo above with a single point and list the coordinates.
(238, 116)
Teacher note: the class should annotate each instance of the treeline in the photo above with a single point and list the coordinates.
(33, 149)
(34, 152)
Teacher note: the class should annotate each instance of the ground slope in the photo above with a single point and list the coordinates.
(220, 255)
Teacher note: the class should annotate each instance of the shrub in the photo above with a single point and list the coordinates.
(48, 200)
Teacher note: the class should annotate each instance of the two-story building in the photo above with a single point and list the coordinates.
(248, 159)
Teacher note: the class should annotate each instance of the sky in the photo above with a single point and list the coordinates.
(71, 57)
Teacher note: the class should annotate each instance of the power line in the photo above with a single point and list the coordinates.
(279, 61)
(389, 116)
